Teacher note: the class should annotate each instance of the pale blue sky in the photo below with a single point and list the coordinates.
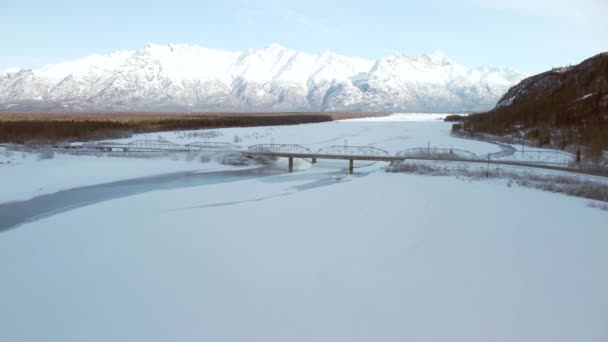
(529, 35)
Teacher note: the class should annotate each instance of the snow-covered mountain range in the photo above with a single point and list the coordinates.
(179, 77)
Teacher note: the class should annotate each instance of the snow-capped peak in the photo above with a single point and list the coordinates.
(10, 70)
(94, 64)
(438, 57)
(275, 47)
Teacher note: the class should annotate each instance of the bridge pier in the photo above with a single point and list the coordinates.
(314, 160)
(290, 164)
(350, 166)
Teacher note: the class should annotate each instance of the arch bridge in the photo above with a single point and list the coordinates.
(539, 159)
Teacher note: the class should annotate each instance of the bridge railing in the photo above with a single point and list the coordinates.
(102, 146)
(439, 153)
(279, 148)
(155, 145)
(368, 151)
(206, 146)
(541, 157)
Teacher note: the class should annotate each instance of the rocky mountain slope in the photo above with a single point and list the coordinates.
(179, 77)
(562, 107)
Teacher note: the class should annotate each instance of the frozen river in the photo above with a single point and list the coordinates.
(175, 250)
(19, 212)
(16, 213)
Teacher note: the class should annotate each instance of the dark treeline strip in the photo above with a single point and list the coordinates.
(45, 128)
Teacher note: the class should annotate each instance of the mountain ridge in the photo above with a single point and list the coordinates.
(187, 77)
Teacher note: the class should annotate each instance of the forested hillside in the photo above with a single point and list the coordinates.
(565, 108)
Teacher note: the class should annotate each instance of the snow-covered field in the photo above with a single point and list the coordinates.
(316, 255)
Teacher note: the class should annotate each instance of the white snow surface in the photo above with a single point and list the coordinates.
(376, 257)
(93, 65)
(388, 257)
(191, 77)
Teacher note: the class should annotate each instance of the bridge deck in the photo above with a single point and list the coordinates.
(324, 156)
(545, 166)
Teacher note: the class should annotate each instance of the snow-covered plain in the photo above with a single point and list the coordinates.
(315, 255)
